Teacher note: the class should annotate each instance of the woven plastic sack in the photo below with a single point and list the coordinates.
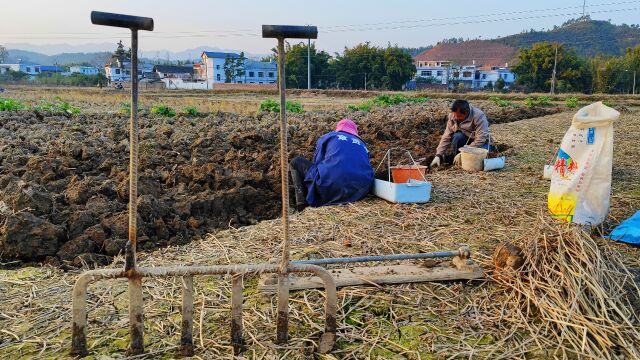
(581, 179)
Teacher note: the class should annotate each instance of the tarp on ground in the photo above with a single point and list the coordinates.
(628, 231)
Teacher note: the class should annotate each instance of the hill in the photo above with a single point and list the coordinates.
(94, 58)
(38, 54)
(588, 37)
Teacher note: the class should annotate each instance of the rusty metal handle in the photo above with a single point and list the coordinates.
(79, 310)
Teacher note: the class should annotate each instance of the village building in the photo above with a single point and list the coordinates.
(260, 72)
(24, 67)
(212, 70)
(173, 71)
(117, 70)
(85, 70)
(49, 69)
(471, 64)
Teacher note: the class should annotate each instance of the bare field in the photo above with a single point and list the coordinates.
(107, 100)
(416, 321)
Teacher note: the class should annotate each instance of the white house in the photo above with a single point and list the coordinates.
(117, 70)
(173, 71)
(436, 71)
(214, 67)
(489, 76)
(259, 72)
(121, 71)
(85, 70)
(27, 68)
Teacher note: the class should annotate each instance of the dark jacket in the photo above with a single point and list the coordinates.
(341, 172)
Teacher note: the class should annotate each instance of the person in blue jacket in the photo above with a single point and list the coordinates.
(340, 172)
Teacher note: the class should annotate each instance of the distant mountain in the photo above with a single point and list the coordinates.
(53, 49)
(95, 58)
(588, 37)
(29, 53)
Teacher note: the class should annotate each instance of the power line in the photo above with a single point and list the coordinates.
(485, 15)
(349, 27)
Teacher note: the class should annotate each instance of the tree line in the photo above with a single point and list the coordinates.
(360, 67)
(575, 73)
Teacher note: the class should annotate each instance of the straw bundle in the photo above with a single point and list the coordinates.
(572, 296)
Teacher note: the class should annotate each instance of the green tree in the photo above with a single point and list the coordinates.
(234, 68)
(358, 66)
(239, 70)
(120, 52)
(535, 68)
(3, 54)
(500, 84)
(399, 68)
(380, 68)
(296, 66)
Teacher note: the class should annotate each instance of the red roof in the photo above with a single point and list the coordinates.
(484, 53)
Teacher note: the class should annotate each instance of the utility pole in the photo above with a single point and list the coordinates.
(309, 64)
(553, 77)
(584, 5)
(633, 89)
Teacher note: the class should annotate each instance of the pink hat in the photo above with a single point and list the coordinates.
(348, 126)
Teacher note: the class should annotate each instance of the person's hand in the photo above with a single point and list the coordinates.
(436, 161)
(457, 161)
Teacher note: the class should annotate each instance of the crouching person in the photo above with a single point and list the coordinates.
(340, 172)
(466, 125)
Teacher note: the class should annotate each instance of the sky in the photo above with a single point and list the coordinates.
(236, 25)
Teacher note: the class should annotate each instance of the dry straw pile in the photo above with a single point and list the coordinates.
(573, 297)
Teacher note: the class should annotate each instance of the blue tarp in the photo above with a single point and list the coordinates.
(628, 231)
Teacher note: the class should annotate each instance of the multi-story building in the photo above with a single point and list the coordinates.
(471, 64)
(260, 72)
(213, 70)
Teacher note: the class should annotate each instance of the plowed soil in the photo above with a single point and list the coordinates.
(64, 180)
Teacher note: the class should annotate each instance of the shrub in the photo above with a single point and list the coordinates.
(528, 102)
(11, 105)
(362, 107)
(58, 106)
(571, 102)
(271, 105)
(500, 102)
(544, 101)
(190, 110)
(163, 110)
(608, 103)
(125, 108)
(295, 107)
(387, 100)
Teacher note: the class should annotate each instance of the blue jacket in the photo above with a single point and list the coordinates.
(341, 171)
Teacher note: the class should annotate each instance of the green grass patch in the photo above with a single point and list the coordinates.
(500, 102)
(539, 101)
(163, 110)
(271, 105)
(190, 110)
(387, 100)
(571, 102)
(11, 105)
(58, 105)
(125, 108)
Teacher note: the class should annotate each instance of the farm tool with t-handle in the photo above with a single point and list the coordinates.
(134, 274)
